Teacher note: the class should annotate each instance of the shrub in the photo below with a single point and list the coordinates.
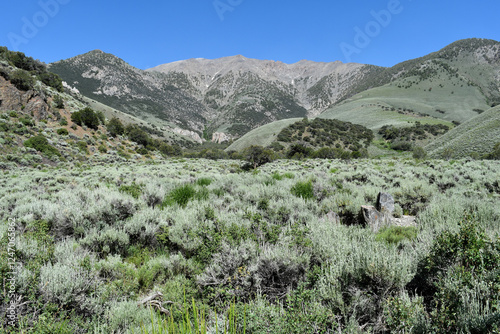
(134, 190)
(394, 234)
(86, 117)
(26, 121)
(62, 132)
(108, 241)
(458, 280)
(82, 146)
(115, 127)
(204, 181)
(495, 154)
(59, 102)
(63, 121)
(419, 153)
(277, 270)
(304, 190)
(298, 151)
(180, 195)
(22, 80)
(257, 156)
(103, 149)
(52, 80)
(402, 146)
(137, 135)
(41, 144)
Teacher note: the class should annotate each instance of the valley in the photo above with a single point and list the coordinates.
(238, 195)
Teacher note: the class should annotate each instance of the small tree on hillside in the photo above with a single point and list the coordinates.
(86, 117)
(257, 156)
(115, 127)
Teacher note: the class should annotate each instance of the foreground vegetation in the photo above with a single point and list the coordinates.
(254, 252)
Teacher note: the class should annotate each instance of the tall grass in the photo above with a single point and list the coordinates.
(194, 321)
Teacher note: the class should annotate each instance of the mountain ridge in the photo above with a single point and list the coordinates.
(235, 94)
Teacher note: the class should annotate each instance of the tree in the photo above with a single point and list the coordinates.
(86, 117)
(52, 80)
(258, 155)
(58, 100)
(22, 80)
(298, 151)
(137, 135)
(115, 127)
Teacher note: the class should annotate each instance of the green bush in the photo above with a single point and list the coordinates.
(115, 127)
(304, 190)
(41, 144)
(62, 132)
(180, 195)
(257, 156)
(137, 135)
(22, 80)
(299, 151)
(395, 234)
(52, 80)
(82, 146)
(495, 154)
(402, 146)
(86, 117)
(134, 190)
(458, 277)
(59, 102)
(419, 153)
(63, 121)
(103, 148)
(204, 181)
(26, 121)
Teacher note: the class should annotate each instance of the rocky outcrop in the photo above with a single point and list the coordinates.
(30, 101)
(191, 134)
(374, 218)
(382, 215)
(385, 203)
(220, 137)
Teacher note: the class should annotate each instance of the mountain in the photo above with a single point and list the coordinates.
(38, 123)
(113, 82)
(454, 84)
(231, 95)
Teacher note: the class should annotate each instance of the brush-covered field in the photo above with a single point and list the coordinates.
(259, 251)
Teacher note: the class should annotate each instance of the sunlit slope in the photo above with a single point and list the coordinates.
(475, 137)
(263, 136)
(450, 100)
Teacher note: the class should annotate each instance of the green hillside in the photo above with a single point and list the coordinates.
(475, 137)
(262, 136)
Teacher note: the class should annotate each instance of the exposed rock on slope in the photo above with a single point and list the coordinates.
(231, 95)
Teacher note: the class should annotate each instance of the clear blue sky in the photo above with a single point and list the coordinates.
(148, 33)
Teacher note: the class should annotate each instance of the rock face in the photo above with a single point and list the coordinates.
(196, 137)
(375, 219)
(31, 101)
(220, 137)
(385, 203)
(381, 216)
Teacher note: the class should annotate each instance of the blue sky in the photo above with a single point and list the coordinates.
(148, 33)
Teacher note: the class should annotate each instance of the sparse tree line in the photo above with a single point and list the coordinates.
(28, 69)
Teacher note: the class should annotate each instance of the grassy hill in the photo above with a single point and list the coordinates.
(475, 137)
(447, 87)
(262, 136)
